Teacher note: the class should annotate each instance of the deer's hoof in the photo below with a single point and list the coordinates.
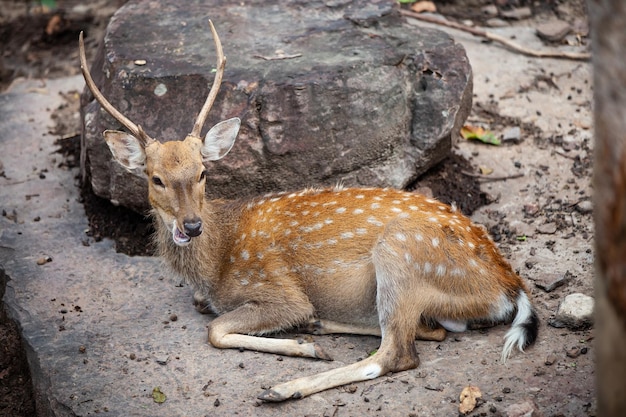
(275, 397)
(321, 353)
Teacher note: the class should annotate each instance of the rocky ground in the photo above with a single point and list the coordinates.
(535, 187)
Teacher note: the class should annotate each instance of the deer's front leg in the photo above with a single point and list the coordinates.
(233, 330)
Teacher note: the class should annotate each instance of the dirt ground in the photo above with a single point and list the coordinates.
(551, 227)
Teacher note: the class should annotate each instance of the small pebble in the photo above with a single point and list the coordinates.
(573, 352)
(44, 260)
(173, 317)
(584, 207)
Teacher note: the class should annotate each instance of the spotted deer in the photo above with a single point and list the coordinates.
(365, 261)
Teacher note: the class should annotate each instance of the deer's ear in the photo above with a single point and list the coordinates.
(220, 139)
(126, 149)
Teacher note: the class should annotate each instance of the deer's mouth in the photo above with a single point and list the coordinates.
(179, 237)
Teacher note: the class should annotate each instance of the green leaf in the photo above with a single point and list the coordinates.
(50, 4)
(480, 134)
(158, 396)
(406, 1)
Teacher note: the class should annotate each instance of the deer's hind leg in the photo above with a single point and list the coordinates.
(400, 324)
(396, 353)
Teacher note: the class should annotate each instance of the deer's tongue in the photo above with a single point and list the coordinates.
(180, 238)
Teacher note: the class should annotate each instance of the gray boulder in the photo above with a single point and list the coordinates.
(328, 92)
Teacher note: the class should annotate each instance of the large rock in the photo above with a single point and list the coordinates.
(368, 101)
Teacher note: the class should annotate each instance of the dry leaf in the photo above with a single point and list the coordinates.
(468, 398)
(485, 170)
(424, 6)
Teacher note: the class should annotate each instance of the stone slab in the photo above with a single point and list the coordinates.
(367, 101)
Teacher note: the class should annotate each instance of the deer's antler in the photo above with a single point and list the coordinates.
(134, 129)
(221, 64)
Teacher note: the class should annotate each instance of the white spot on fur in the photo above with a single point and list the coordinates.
(232, 259)
(433, 219)
(361, 231)
(396, 209)
(341, 210)
(359, 196)
(408, 258)
(328, 221)
(374, 221)
(245, 255)
(401, 237)
(375, 205)
(471, 245)
(332, 241)
(259, 255)
(347, 235)
(427, 267)
(441, 270)
(457, 272)
(358, 211)
(419, 237)
(305, 212)
(403, 215)
(244, 282)
(414, 208)
(395, 202)
(435, 242)
(473, 263)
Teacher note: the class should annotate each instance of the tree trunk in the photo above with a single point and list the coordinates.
(608, 20)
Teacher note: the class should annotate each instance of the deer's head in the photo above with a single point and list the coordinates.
(176, 170)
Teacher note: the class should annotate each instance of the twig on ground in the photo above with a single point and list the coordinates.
(278, 57)
(564, 155)
(488, 178)
(582, 56)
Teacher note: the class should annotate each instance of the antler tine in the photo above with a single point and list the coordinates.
(134, 129)
(221, 64)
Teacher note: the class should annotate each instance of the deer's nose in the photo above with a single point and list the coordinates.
(193, 227)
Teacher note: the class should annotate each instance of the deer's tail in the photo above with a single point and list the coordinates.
(525, 326)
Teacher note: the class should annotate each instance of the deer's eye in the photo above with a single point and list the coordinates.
(157, 181)
(202, 176)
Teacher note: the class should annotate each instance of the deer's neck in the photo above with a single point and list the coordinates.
(199, 263)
